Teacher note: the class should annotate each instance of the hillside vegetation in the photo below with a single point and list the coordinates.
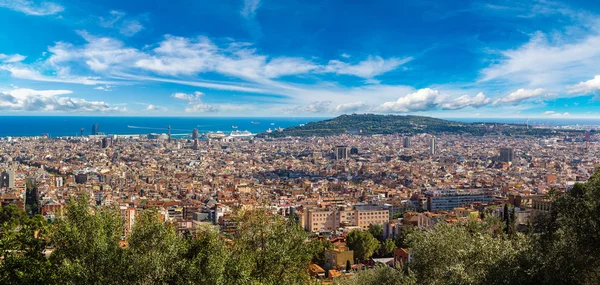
(369, 124)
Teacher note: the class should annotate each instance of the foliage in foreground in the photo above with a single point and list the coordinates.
(563, 248)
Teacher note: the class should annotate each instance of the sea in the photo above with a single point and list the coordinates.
(58, 126)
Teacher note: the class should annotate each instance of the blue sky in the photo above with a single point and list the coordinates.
(300, 58)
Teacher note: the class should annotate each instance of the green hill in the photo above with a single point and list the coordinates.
(369, 124)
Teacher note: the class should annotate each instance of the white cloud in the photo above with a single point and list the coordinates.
(368, 68)
(465, 101)
(422, 100)
(29, 7)
(194, 102)
(23, 99)
(555, 114)
(249, 8)
(586, 87)
(106, 88)
(352, 107)
(515, 98)
(541, 62)
(154, 108)
(11, 58)
(316, 107)
(428, 99)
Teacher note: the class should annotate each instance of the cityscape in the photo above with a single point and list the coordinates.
(281, 142)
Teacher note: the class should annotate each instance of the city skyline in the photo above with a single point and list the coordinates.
(490, 59)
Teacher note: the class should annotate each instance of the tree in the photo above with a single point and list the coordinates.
(362, 243)
(272, 248)
(386, 249)
(87, 246)
(455, 254)
(206, 255)
(22, 242)
(376, 231)
(318, 248)
(155, 251)
(380, 275)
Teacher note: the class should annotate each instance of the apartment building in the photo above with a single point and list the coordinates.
(331, 219)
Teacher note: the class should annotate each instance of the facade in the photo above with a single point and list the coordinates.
(432, 146)
(94, 129)
(506, 154)
(341, 152)
(363, 216)
(443, 200)
(7, 178)
(339, 256)
(406, 142)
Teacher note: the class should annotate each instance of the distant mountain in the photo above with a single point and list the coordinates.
(370, 124)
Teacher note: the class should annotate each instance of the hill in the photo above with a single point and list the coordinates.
(370, 124)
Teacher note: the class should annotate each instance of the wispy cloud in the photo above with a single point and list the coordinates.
(119, 20)
(11, 58)
(30, 7)
(249, 8)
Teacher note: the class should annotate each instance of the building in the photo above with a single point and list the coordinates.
(94, 129)
(317, 220)
(432, 146)
(354, 151)
(169, 133)
(7, 178)
(195, 134)
(106, 142)
(406, 142)
(81, 178)
(339, 256)
(341, 152)
(506, 154)
(443, 200)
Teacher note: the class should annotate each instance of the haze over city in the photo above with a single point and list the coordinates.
(484, 59)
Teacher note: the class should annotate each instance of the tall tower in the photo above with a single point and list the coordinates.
(432, 146)
(169, 133)
(406, 142)
(506, 154)
(195, 138)
(195, 134)
(94, 129)
(341, 152)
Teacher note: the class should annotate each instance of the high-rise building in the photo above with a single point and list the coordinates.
(341, 152)
(7, 179)
(94, 129)
(432, 146)
(353, 151)
(106, 142)
(506, 154)
(195, 134)
(406, 142)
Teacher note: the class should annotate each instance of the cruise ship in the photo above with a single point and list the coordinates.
(238, 134)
